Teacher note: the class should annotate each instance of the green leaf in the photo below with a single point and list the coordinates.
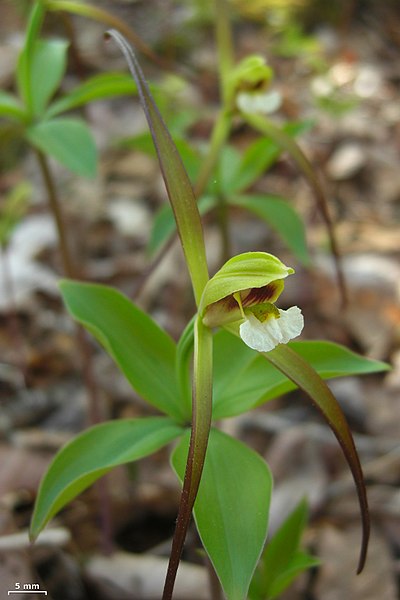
(180, 191)
(40, 71)
(305, 377)
(26, 57)
(164, 224)
(46, 70)
(280, 215)
(231, 508)
(69, 141)
(92, 454)
(232, 359)
(99, 87)
(299, 563)
(10, 106)
(244, 379)
(260, 156)
(282, 561)
(141, 349)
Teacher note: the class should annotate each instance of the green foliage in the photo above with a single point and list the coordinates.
(142, 350)
(260, 156)
(337, 103)
(161, 374)
(98, 87)
(11, 107)
(245, 380)
(41, 67)
(92, 454)
(281, 217)
(69, 141)
(294, 42)
(234, 174)
(282, 560)
(231, 508)
(40, 72)
(147, 356)
(180, 191)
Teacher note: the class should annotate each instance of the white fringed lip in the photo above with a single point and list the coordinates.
(265, 336)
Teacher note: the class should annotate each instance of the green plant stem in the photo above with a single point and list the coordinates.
(201, 423)
(224, 122)
(223, 220)
(189, 226)
(220, 134)
(55, 209)
(71, 272)
(225, 49)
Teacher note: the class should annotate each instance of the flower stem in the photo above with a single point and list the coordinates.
(219, 136)
(201, 422)
(225, 49)
(223, 220)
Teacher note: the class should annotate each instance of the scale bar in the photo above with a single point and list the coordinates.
(26, 592)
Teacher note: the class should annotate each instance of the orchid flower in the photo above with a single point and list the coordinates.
(268, 326)
(261, 325)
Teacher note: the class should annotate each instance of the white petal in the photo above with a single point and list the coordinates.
(291, 323)
(259, 102)
(265, 336)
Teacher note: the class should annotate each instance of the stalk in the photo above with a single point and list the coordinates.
(225, 49)
(201, 423)
(188, 222)
(55, 208)
(224, 123)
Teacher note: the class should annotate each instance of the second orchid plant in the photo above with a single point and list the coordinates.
(247, 361)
